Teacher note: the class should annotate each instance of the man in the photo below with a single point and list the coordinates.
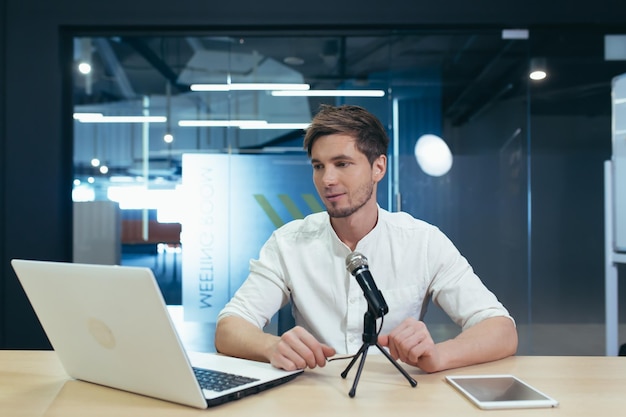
(411, 261)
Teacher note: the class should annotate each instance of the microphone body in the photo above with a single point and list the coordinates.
(356, 264)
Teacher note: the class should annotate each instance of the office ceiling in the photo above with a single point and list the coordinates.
(475, 68)
(472, 70)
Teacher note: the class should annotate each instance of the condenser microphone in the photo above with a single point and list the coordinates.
(356, 264)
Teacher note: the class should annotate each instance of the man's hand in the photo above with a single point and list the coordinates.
(491, 339)
(298, 349)
(411, 343)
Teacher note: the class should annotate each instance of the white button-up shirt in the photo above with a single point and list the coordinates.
(410, 260)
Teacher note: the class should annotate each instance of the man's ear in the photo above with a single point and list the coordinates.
(379, 167)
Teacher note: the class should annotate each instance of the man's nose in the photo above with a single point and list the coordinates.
(329, 177)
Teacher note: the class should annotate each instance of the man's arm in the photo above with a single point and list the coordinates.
(491, 339)
(295, 349)
(235, 336)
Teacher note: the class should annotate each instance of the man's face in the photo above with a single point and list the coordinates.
(342, 175)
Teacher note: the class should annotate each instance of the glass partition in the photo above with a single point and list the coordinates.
(207, 128)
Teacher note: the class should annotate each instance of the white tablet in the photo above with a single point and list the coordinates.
(500, 391)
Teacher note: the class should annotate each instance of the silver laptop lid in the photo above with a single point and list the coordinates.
(109, 325)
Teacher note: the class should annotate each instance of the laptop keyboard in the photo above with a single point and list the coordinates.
(219, 381)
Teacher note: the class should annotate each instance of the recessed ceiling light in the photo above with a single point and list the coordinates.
(537, 69)
(84, 68)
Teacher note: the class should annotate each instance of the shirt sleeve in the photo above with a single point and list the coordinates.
(263, 292)
(456, 288)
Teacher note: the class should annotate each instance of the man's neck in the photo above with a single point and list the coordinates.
(353, 228)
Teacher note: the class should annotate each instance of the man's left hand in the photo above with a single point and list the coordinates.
(411, 343)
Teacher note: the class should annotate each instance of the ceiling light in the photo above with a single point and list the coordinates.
(251, 124)
(84, 68)
(515, 34)
(100, 118)
(278, 126)
(248, 87)
(79, 116)
(537, 75)
(329, 93)
(433, 155)
(83, 193)
(122, 179)
(243, 124)
(537, 69)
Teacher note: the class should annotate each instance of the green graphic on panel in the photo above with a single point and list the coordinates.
(312, 202)
(290, 205)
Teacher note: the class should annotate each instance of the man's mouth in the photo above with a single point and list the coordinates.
(334, 196)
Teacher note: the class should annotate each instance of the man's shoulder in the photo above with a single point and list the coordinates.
(401, 219)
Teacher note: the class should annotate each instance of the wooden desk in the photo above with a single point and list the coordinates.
(33, 383)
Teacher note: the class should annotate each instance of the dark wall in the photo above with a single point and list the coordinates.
(3, 310)
(36, 145)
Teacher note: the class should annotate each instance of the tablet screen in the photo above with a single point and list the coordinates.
(500, 391)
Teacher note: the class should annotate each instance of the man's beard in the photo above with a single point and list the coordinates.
(366, 191)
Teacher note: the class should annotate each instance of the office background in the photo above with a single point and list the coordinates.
(559, 293)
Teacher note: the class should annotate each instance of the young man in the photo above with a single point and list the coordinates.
(411, 261)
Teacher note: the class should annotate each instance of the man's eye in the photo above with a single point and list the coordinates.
(317, 167)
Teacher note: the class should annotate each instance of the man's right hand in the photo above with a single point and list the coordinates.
(298, 349)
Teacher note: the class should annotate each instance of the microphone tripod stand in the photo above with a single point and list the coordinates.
(370, 338)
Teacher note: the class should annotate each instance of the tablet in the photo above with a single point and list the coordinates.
(500, 391)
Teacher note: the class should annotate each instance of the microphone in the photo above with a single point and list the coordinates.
(356, 264)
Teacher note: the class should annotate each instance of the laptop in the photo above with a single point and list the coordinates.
(110, 326)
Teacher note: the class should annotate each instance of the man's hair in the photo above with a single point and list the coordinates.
(371, 137)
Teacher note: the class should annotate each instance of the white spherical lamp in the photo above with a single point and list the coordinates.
(433, 155)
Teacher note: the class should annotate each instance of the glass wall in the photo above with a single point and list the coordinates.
(190, 146)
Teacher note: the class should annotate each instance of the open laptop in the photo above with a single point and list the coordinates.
(109, 325)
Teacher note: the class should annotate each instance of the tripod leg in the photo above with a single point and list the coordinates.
(352, 392)
(353, 361)
(398, 367)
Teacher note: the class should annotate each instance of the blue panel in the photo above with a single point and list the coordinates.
(233, 204)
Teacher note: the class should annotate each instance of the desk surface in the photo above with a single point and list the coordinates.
(33, 383)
